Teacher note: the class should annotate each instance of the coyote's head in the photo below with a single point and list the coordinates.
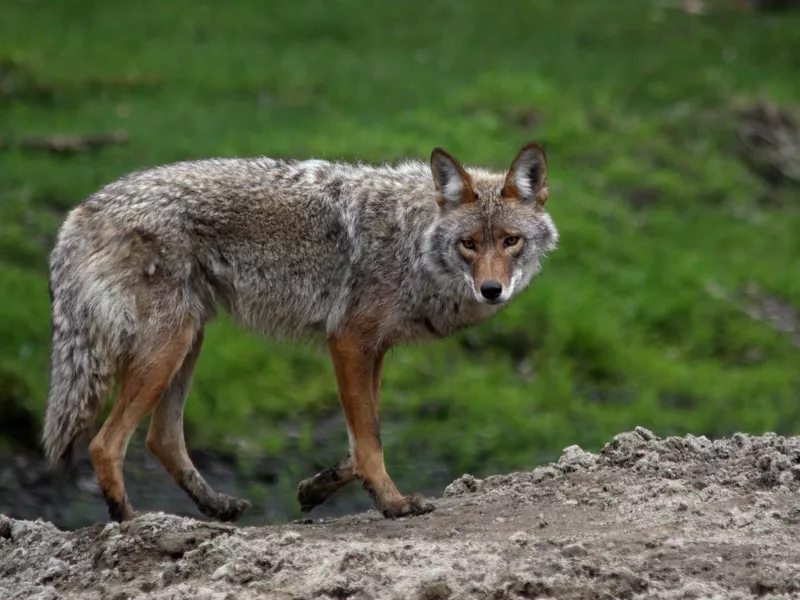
(492, 229)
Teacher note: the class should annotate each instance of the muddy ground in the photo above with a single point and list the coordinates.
(644, 518)
(70, 497)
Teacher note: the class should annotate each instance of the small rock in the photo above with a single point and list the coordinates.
(65, 548)
(793, 515)
(698, 444)
(289, 538)
(5, 527)
(682, 506)
(574, 550)
(627, 582)
(435, 588)
(466, 484)
(542, 473)
(204, 594)
(542, 522)
(167, 577)
(18, 530)
(645, 434)
(54, 569)
(220, 573)
(574, 458)
(110, 530)
(740, 440)
(520, 538)
(176, 544)
(48, 593)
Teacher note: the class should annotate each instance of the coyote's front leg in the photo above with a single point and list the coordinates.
(316, 490)
(357, 371)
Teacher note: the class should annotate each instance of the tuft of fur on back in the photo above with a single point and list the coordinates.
(80, 367)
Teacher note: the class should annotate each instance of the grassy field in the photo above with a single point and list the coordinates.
(638, 319)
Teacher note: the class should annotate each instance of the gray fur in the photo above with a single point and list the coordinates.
(286, 247)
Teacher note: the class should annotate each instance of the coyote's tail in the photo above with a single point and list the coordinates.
(81, 365)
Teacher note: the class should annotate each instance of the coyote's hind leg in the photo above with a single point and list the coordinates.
(146, 376)
(165, 439)
(316, 490)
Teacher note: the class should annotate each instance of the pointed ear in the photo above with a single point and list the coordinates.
(527, 177)
(453, 183)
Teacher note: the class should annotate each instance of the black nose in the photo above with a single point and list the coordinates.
(491, 290)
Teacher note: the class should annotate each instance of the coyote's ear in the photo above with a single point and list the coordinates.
(453, 183)
(527, 177)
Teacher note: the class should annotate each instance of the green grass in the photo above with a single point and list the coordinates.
(635, 106)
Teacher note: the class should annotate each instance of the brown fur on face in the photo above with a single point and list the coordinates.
(491, 259)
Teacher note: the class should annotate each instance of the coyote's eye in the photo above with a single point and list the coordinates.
(511, 240)
(468, 244)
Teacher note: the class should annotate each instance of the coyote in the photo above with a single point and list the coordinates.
(366, 257)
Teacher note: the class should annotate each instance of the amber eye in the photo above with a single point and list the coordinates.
(511, 240)
(468, 244)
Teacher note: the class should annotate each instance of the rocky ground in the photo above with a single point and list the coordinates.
(644, 518)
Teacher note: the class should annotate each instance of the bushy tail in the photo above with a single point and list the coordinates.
(80, 367)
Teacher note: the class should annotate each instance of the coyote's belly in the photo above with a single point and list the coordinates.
(268, 299)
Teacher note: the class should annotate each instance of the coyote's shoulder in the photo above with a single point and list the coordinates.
(366, 256)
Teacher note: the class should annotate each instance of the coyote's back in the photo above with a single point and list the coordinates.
(367, 257)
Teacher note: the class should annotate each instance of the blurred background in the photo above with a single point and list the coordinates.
(674, 168)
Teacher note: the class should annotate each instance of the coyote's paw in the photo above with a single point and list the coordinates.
(411, 506)
(119, 510)
(309, 494)
(129, 515)
(223, 507)
(315, 490)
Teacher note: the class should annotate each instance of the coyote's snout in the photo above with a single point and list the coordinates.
(365, 257)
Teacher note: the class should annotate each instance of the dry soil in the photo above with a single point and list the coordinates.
(645, 518)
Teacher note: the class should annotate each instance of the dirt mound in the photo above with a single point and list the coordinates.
(645, 518)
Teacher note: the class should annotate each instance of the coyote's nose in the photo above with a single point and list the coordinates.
(491, 290)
